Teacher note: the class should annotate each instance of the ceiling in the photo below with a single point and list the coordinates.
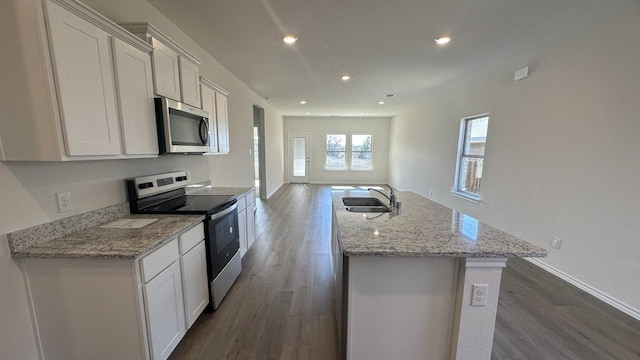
(386, 46)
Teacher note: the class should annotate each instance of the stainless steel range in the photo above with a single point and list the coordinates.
(165, 194)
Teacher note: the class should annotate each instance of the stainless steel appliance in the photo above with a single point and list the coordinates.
(165, 194)
(182, 129)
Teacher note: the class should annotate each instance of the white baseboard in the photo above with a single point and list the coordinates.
(349, 182)
(625, 308)
(275, 190)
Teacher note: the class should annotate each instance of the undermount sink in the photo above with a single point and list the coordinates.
(361, 201)
(368, 209)
(365, 205)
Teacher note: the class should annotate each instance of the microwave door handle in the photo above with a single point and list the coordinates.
(204, 137)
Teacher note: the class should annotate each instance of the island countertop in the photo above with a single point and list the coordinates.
(98, 242)
(422, 228)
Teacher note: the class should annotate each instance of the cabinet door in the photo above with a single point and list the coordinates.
(190, 82)
(165, 311)
(194, 277)
(134, 82)
(209, 105)
(251, 227)
(223, 123)
(84, 79)
(166, 75)
(242, 231)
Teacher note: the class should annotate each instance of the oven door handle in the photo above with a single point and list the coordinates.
(224, 212)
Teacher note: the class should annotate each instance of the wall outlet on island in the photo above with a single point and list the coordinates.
(556, 242)
(64, 201)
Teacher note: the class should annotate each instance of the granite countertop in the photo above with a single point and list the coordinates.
(109, 243)
(422, 228)
(209, 190)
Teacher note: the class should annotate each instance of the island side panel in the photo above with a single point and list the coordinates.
(474, 326)
(83, 306)
(400, 307)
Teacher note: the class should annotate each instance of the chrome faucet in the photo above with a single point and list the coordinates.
(393, 199)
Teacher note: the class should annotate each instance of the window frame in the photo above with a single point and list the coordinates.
(351, 152)
(462, 142)
(346, 148)
(348, 153)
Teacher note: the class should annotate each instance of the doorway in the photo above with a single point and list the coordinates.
(259, 161)
(298, 158)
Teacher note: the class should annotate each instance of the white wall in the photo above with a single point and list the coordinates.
(319, 127)
(562, 151)
(27, 189)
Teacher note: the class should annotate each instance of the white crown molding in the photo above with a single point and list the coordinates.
(146, 31)
(625, 308)
(207, 82)
(104, 23)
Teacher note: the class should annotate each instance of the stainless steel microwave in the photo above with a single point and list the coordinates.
(182, 129)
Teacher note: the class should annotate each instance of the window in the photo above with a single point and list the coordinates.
(471, 147)
(357, 149)
(336, 152)
(361, 152)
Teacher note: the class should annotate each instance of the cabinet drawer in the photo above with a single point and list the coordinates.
(242, 203)
(152, 264)
(190, 238)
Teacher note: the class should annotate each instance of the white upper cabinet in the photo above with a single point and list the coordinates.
(135, 96)
(176, 72)
(214, 101)
(209, 105)
(63, 104)
(190, 82)
(223, 123)
(82, 62)
(166, 70)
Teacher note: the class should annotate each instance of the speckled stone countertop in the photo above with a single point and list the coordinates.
(422, 228)
(209, 190)
(108, 243)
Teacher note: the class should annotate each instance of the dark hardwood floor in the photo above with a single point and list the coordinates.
(281, 305)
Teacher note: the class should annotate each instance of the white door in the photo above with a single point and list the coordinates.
(209, 105)
(135, 94)
(165, 311)
(223, 123)
(85, 81)
(242, 231)
(194, 277)
(166, 71)
(190, 82)
(298, 158)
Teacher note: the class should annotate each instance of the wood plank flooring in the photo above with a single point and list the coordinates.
(281, 305)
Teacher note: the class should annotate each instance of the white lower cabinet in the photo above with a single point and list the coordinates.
(165, 311)
(104, 309)
(246, 221)
(242, 231)
(194, 276)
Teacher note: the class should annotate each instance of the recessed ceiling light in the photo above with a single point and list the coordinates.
(443, 40)
(302, 102)
(290, 39)
(345, 77)
(307, 113)
(367, 113)
(381, 102)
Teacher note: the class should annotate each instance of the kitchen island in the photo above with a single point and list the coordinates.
(421, 282)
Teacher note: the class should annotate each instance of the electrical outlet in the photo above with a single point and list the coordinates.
(188, 176)
(556, 242)
(479, 295)
(64, 201)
